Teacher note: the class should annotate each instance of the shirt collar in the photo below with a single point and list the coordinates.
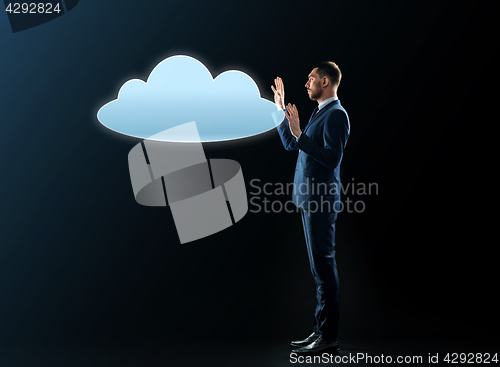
(325, 102)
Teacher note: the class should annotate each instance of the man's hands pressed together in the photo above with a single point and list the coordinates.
(291, 112)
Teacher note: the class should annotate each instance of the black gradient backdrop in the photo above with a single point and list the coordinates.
(81, 261)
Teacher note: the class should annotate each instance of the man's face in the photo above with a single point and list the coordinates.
(313, 85)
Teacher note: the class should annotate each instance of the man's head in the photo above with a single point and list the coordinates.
(323, 81)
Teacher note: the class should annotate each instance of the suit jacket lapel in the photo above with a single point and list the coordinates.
(312, 115)
(315, 116)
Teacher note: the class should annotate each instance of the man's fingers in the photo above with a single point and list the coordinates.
(292, 111)
(274, 90)
(278, 84)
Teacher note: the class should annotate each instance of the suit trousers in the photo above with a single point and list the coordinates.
(319, 231)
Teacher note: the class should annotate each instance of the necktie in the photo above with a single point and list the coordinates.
(314, 112)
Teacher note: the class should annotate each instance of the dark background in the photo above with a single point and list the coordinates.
(81, 262)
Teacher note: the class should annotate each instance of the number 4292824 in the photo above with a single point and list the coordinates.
(32, 8)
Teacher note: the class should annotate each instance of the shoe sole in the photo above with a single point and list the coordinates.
(299, 345)
(331, 350)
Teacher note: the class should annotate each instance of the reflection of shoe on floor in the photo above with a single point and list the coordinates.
(306, 341)
(320, 345)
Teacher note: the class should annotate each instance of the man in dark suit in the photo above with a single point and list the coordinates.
(317, 192)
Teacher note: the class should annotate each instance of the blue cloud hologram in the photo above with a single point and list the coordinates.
(181, 89)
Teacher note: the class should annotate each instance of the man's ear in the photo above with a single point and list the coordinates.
(325, 82)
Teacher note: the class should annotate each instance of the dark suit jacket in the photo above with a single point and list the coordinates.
(321, 147)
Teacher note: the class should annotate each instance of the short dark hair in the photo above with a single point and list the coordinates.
(330, 70)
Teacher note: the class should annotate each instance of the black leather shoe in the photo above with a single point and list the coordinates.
(306, 341)
(320, 345)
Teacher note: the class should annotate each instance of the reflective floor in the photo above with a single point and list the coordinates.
(235, 354)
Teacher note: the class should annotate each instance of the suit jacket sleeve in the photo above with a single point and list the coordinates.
(335, 133)
(288, 140)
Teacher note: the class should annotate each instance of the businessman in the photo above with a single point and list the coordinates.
(317, 192)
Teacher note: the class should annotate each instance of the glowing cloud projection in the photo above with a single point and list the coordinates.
(180, 90)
